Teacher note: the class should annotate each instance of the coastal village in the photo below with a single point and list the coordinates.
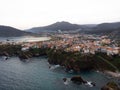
(82, 49)
(60, 45)
(82, 43)
(85, 44)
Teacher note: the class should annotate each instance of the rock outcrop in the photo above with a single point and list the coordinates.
(110, 86)
(78, 80)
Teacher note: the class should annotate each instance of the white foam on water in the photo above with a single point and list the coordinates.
(67, 81)
(89, 83)
(5, 57)
(54, 67)
(71, 71)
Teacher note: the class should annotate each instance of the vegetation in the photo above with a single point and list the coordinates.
(71, 60)
(77, 61)
(110, 86)
(6, 31)
(9, 49)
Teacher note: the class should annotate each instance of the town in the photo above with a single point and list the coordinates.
(78, 42)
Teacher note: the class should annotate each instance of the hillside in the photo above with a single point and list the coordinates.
(63, 26)
(106, 26)
(7, 31)
(111, 29)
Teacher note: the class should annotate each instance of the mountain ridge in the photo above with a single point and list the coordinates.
(55, 26)
(8, 31)
(66, 27)
(103, 28)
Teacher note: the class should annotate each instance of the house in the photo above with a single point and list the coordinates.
(110, 51)
(116, 50)
(25, 48)
(86, 50)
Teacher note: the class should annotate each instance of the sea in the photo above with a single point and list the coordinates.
(34, 74)
(23, 39)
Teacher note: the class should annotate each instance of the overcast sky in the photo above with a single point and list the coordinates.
(25, 14)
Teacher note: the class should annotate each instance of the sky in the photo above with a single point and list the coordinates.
(24, 14)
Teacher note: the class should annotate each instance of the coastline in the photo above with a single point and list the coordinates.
(112, 74)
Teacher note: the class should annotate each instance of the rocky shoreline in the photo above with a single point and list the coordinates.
(72, 61)
(110, 86)
(78, 80)
(112, 74)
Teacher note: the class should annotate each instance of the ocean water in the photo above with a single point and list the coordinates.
(23, 39)
(36, 75)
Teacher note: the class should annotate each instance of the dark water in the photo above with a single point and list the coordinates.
(35, 75)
